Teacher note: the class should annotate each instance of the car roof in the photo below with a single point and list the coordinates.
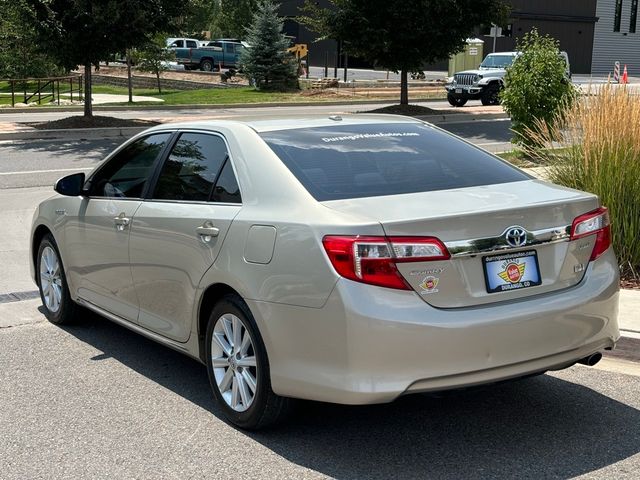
(274, 123)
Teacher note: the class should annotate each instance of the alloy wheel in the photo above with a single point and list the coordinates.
(50, 279)
(234, 362)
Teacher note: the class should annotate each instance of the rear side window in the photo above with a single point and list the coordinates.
(192, 168)
(354, 161)
(192, 44)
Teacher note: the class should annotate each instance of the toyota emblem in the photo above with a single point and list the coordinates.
(516, 236)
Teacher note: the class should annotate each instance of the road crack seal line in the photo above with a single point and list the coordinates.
(19, 296)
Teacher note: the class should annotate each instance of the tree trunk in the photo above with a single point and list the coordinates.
(88, 106)
(158, 78)
(404, 88)
(129, 82)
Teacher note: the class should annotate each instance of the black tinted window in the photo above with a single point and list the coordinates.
(227, 190)
(354, 161)
(125, 175)
(192, 44)
(192, 168)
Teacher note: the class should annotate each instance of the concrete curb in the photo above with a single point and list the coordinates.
(74, 134)
(126, 132)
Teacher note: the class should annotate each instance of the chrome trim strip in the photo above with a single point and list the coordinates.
(465, 248)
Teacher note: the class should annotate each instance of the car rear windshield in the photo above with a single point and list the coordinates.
(354, 161)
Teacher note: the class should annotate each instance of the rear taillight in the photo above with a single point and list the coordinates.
(373, 259)
(594, 223)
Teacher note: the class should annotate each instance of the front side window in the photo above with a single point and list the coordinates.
(192, 168)
(126, 174)
(352, 161)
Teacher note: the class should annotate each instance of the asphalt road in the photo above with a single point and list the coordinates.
(97, 401)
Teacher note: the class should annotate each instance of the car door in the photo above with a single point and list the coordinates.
(97, 235)
(177, 232)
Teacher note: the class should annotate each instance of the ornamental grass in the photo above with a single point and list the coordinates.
(594, 145)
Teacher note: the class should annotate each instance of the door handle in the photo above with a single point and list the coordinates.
(207, 231)
(121, 222)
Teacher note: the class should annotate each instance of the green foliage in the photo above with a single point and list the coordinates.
(536, 85)
(594, 145)
(234, 17)
(84, 32)
(20, 56)
(267, 61)
(199, 16)
(80, 32)
(402, 35)
(153, 57)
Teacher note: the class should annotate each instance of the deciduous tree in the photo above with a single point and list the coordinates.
(153, 57)
(84, 32)
(402, 35)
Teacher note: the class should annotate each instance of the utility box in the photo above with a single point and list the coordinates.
(469, 59)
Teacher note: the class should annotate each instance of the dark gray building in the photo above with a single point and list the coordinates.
(571, 22)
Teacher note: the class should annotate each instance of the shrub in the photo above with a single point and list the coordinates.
(536, 85)
(594, 145)
(266, 61)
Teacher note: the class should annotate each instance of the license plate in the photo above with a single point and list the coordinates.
(511, 271)
(458, 90)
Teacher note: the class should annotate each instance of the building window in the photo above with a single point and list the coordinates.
(634, 16)
(618, 18)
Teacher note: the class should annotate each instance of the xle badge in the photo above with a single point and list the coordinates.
(429, 284)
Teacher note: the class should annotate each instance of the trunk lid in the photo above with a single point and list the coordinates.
(474, 224)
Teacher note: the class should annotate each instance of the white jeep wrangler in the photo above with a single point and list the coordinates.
(485, 83)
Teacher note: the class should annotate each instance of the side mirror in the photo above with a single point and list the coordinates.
(71, 185)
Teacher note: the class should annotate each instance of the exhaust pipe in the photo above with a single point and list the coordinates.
(591, 360)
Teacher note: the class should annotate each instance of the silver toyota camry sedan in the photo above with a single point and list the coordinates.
(348, 260)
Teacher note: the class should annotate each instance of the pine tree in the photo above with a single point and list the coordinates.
(266, 60)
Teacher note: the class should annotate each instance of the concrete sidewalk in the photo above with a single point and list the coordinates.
(629, 317)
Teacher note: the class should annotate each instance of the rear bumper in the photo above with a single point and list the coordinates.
(371, 345)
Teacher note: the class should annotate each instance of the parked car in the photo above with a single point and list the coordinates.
(349, 260)
(487, 81)
(216, 54)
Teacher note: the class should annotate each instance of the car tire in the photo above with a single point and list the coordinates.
(206, 65)
(239, 374)
(491, 96)
(59, 308)
(456, 101)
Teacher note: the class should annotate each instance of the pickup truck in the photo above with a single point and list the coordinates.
(217, 53)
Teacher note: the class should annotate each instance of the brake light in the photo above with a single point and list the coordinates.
(373, 260)
(594, 223)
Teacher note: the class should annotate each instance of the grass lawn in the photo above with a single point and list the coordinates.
(212, 96)
(207, 96)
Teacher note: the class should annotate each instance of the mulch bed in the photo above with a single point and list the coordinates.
(91, 122)
(631, 284)
(409, 110)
